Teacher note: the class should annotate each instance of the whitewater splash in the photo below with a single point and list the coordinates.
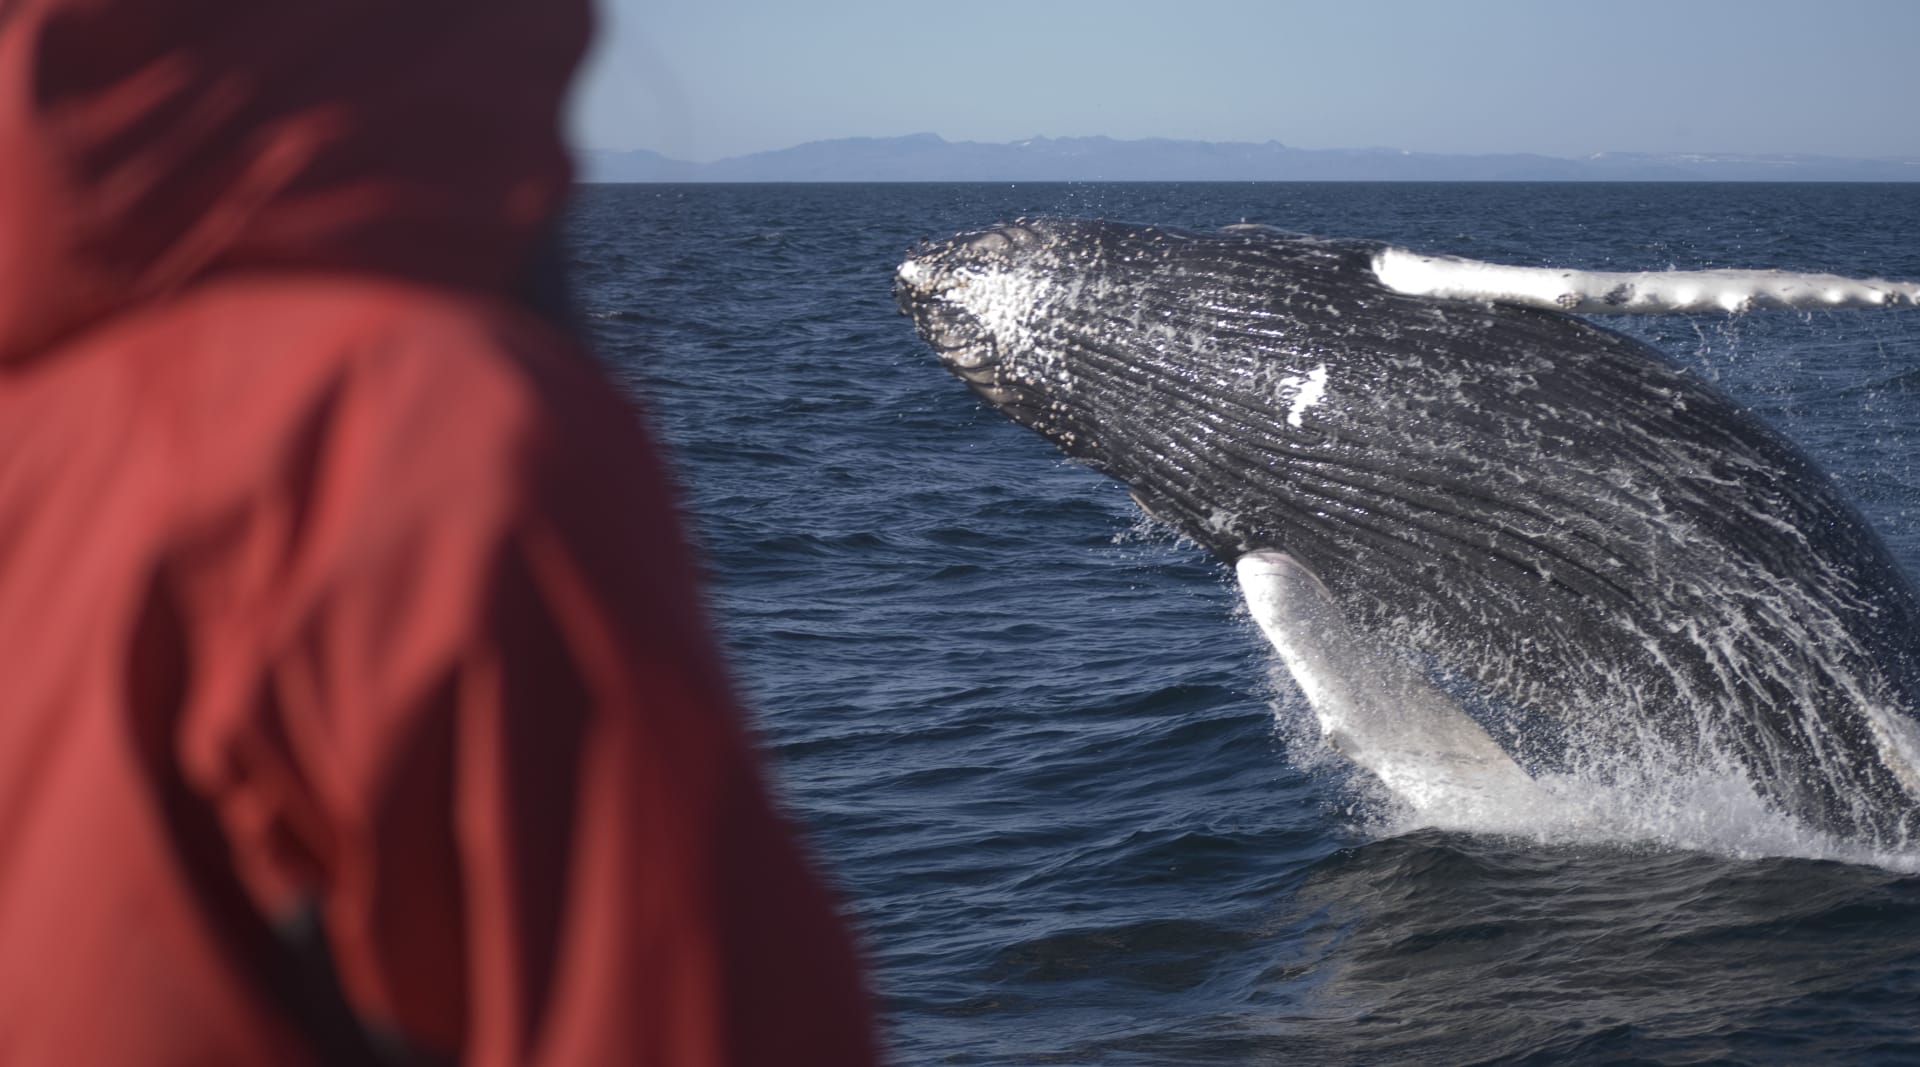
(1632, 293)
(1710, 808)
(1684, 810)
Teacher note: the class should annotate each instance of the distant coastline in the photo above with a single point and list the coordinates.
(927, 157)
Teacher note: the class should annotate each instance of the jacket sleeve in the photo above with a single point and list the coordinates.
(632, 895)
(505, 767)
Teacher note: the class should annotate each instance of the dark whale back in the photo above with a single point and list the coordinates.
(1515, 496)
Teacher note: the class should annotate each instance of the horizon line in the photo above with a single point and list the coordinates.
(925, 135)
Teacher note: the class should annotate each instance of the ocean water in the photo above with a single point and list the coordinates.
(1045, 757)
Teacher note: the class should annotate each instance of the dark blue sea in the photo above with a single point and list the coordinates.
(1041, 751)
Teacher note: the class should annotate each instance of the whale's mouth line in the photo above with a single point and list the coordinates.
(961, 343)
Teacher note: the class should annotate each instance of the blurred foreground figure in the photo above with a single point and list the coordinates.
(355, 705)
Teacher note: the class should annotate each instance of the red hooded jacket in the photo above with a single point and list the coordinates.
(355, 703)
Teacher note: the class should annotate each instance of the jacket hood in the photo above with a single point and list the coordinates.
(147, 145)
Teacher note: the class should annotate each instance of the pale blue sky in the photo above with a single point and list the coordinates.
(705, 79)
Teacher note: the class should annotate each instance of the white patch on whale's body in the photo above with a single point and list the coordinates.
(1641, 293)
(1308, 389)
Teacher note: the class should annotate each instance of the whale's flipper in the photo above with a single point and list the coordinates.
(1654, 292)
(1372, 707)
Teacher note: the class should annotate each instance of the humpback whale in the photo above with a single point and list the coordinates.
(1445, 505)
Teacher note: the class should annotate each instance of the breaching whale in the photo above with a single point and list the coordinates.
(1439, 504)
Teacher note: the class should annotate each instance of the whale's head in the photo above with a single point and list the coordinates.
(997, 305)
(1142, 350)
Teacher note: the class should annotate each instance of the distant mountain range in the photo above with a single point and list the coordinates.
(929, 157)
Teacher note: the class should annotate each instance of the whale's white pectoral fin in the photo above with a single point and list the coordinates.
(1372, 707)
(1633, 293)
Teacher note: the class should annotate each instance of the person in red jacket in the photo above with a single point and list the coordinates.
(355, 701)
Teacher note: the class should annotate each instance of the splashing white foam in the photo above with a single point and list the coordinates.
(1643, 293)
(1685, 808)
